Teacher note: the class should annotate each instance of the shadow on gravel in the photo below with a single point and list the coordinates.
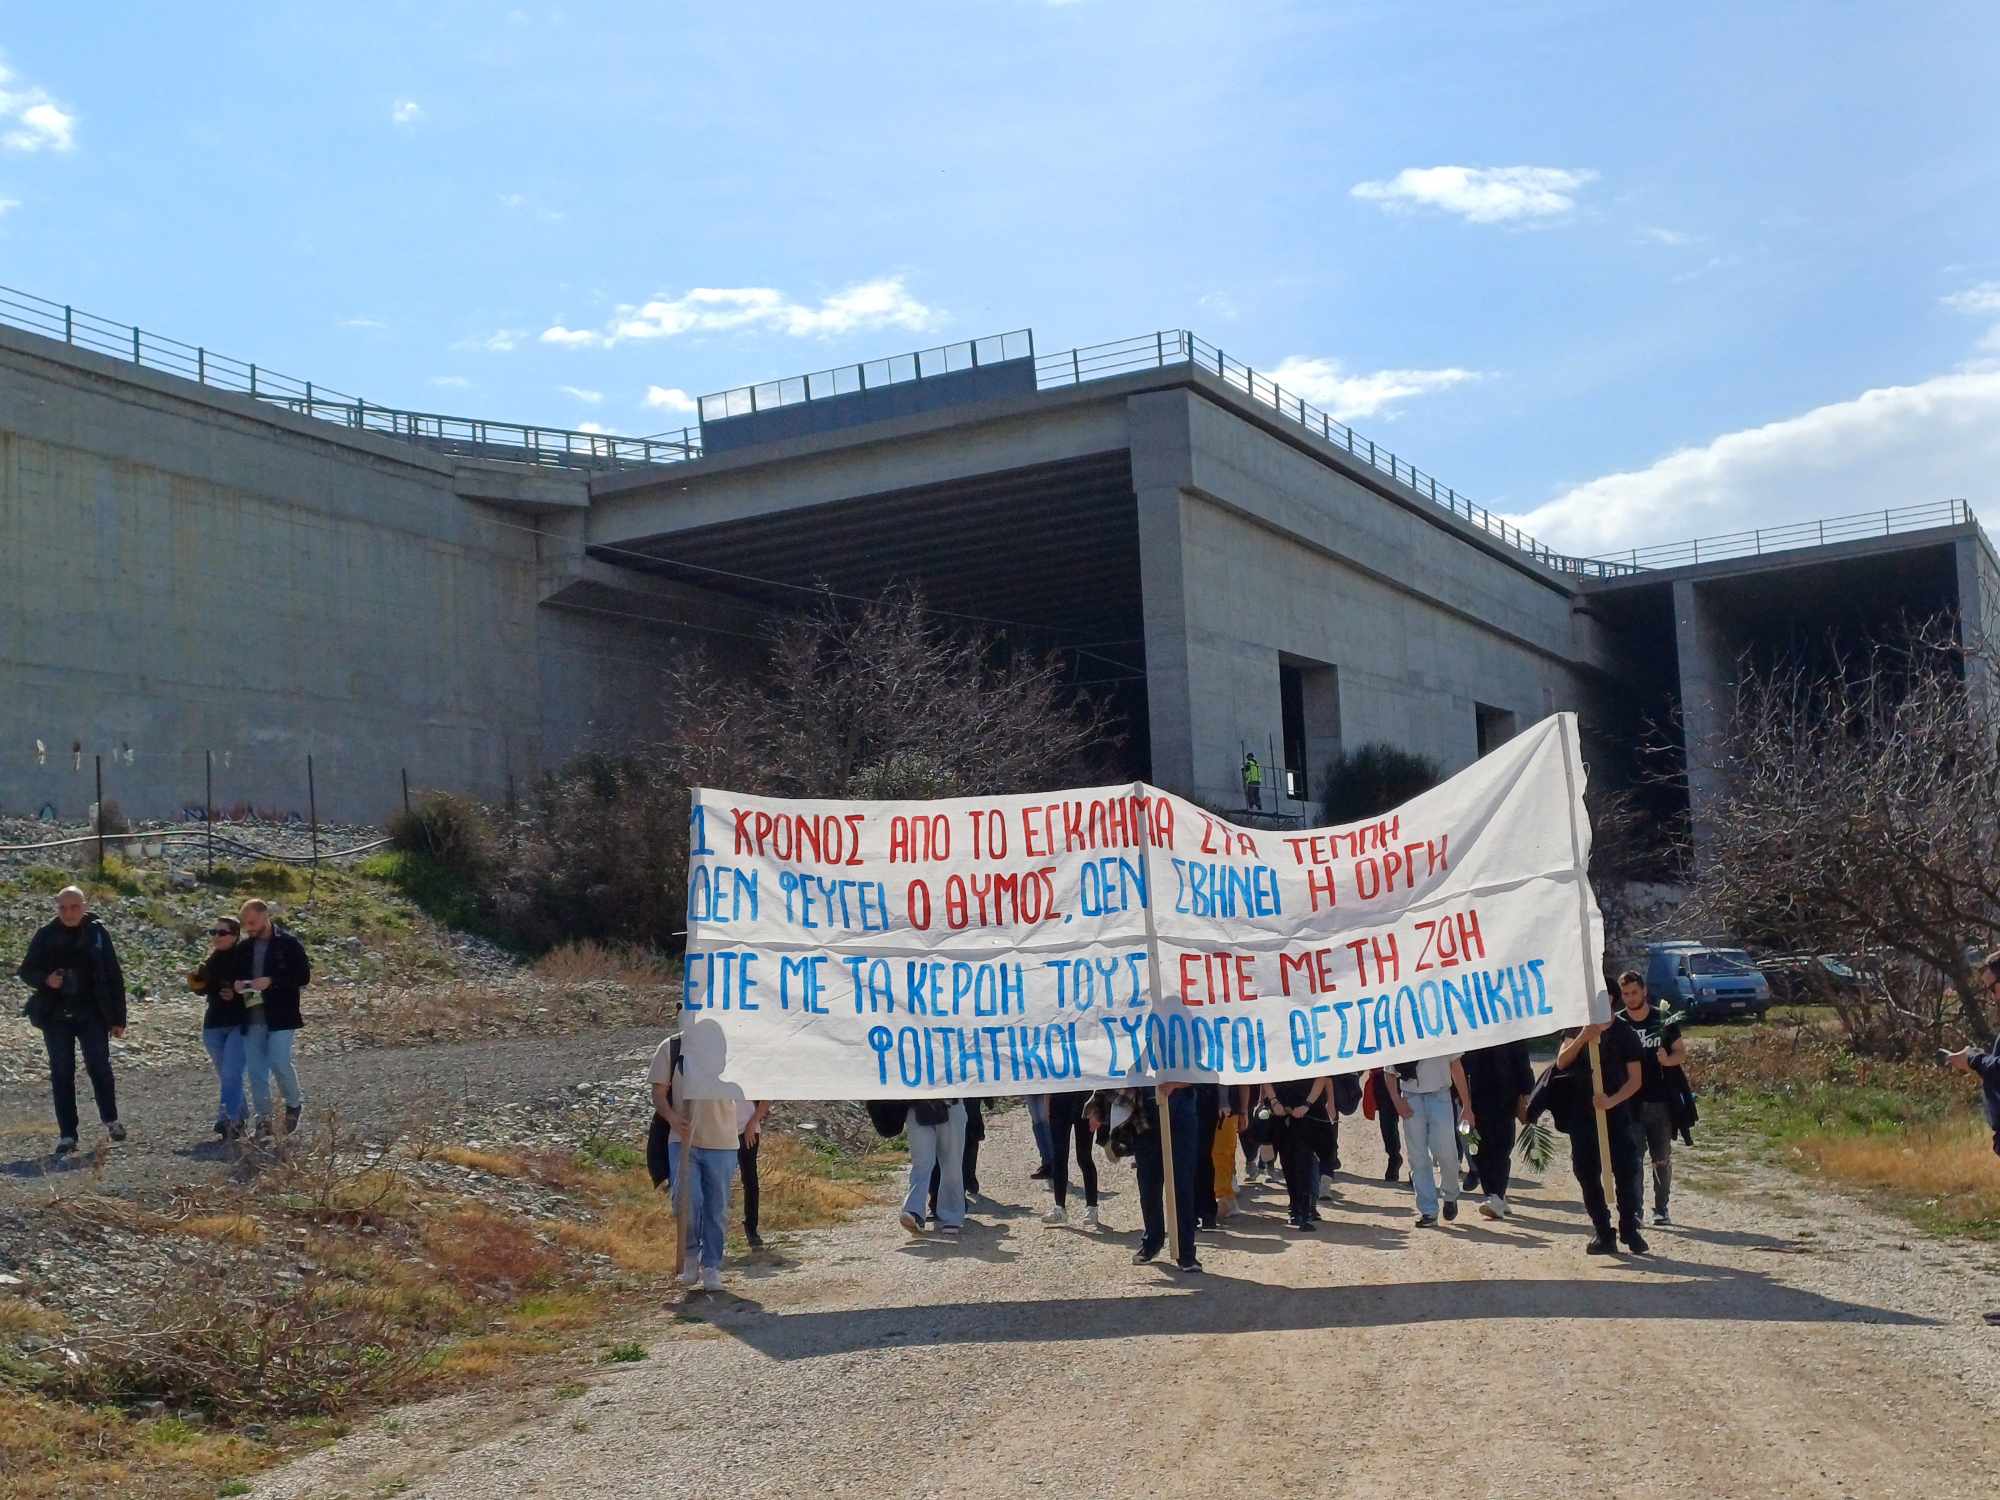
(1219, 1304)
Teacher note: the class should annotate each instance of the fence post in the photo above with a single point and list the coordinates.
(69, 324)
(1159, 349)
(253, 380)
(312, 809)
(135, 343)
(208, 804)
(406, 791)
(309, 398)
(99, 819)
(1075, 368)
(201, 366)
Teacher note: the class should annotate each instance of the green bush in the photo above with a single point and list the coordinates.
(1372, 779)
(452, 832)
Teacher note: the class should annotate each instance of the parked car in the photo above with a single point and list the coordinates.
(1812, 978)
(1706, 981)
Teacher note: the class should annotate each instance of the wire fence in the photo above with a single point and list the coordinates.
(868, 375)
(1757, 542)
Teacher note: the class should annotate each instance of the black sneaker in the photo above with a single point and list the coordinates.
(1040, 1174)
(222, 1129)
(1451, 1209)
(115, 1129)
(1145, 1255)
(1635, 1242)
(753, 1239)
(65, 1145)
(1207, 1223)
(292, 1118)
(1192, 1267)
(1394, 1174)
(1427, 1221)
(1601, 1244)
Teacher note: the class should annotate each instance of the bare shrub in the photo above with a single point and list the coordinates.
(1854, 811)
(211, 1347)
(452, 831)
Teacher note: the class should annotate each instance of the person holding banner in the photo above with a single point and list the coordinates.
(1297, 1130)
(1421, 1093)
(1619, 1047)
(710, 1128)
(1067, 1122)
(1134, 1115)
(936, 1133)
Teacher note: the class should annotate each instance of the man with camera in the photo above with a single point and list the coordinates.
(78, 1002)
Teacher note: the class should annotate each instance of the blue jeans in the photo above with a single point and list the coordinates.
(1431, 1138)
(266, 1052)
(943, 1147)
(226, 1047)
(708, 1198)
(1038, 1116)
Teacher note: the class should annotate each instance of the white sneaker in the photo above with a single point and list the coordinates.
(1090, 1218)
(711, 1278)
(1056, 1215)
(690, 1274)
(1492, 1208)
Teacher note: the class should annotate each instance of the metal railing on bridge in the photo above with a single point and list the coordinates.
(462, 437)
(1756, 543)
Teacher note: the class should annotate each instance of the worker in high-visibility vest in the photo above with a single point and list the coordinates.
(1253, 783)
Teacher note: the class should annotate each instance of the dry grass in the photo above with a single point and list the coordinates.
(493, 1355)
(493, 1163)
(557, 1312)
(477, 1248)
(230, 1229)
(20, 1318)
(595, 963)
(1947, 1174)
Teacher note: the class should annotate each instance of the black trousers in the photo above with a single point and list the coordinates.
(1297, 1150)
(1626, 1165)
(1067, 1128)
(1392, 1131)
(1151, 1168)
(1493, 1162)
(63, 1036)
(746, 1166)
(1207, 1115)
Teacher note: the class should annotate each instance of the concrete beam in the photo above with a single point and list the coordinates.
(518, 487)
(1707, 660)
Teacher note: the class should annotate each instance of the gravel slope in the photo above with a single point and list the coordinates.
(1777, 1344)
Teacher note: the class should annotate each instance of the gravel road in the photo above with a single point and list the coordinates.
(1779, 1342)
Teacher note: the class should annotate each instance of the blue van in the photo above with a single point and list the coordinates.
(1706, 982)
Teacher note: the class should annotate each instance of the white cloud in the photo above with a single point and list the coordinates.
(1672, 238)
(1219, 303)
(8, 205)
(669, 398)
(593, 427)
(500, 341)
(362, 323)
(407, 112)
(1713, 263)
(882, 303)
(1980, 301)
(1345, 395)
(1481, 195)
(520, 202)
(451, 382)
(577, 392)
(36, 122)
(1894, 446)
(513, 200)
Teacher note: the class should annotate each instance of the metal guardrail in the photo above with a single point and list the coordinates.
(1178, 346)
(463, 437)
(1756, 543)
(868, 375)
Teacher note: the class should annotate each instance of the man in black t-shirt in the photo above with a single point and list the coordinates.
(1619, 1048)
(1661, 1057)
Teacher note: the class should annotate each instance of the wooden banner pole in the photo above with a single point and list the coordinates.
(683, 1195)
(1603, 1130)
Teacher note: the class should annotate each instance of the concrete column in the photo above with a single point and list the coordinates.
(1978, 606)
(1707, 681)
(1163, 584)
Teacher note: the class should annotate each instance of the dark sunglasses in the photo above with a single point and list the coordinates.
(220, 932)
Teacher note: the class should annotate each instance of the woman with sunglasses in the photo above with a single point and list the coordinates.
(224, 1025)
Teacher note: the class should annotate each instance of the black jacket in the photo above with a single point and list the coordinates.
(1498, 1078)
(288, 969)
(107, 979)
(213, 978)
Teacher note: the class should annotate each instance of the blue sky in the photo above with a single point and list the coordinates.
(1630, 275)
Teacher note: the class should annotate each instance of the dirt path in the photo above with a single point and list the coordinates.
(378, 1091)
(1777, 1344)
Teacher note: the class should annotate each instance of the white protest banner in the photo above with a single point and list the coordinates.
(1121, 935)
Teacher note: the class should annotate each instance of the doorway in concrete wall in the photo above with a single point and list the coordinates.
(1496, 726)
(1309, 707)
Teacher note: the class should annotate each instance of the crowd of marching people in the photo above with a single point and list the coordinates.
(251, 979)
(1454, 1120)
